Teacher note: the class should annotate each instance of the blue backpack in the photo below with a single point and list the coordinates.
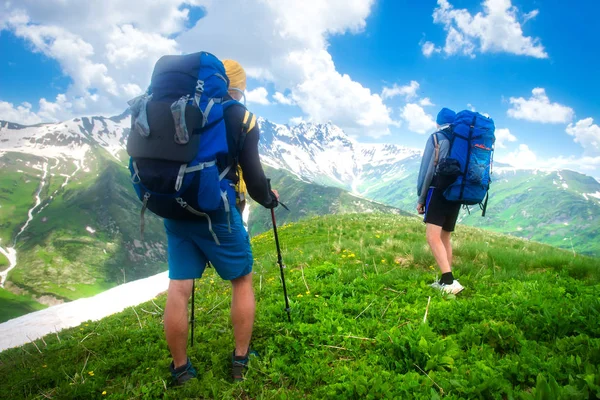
(178, 140)
(469, 159)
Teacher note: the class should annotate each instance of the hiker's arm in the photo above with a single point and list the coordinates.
(258, 186)
(426, 171)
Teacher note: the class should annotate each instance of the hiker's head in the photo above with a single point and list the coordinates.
(445, 116)
(237, 79)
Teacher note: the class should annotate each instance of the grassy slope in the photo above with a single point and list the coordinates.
(535, 208)
(523, 205)
(17, 191)
(526, 326)
(308, 200)
(58, 257)
(13, 306)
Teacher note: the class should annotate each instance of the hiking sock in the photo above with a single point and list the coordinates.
(447, 278)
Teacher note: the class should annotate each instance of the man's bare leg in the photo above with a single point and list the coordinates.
(434, 239)
(176, 319)
(242, 313)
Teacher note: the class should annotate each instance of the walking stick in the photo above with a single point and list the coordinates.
(193, 321)
(281, 266)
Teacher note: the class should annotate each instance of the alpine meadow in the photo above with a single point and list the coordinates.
(257, 199)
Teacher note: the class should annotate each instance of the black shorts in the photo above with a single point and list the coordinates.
(439, 211)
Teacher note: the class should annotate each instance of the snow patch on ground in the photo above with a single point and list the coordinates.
(21, 330)
(596, 195)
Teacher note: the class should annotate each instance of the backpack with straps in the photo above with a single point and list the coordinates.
(469, 162)
(177, 136)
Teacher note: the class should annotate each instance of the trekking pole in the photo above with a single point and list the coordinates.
(281, 266)
(193, 321)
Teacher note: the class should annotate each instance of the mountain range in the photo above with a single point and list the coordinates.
(69, 220)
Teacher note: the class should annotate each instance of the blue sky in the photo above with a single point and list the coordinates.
(488, 55)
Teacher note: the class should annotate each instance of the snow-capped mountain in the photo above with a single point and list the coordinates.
(324, 154)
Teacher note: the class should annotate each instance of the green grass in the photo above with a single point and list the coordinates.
(3, 262)
(17, 191)
(526, 327)
(59, 258)
(12, 305)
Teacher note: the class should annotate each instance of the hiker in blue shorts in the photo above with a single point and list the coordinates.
(440, 215)
(191, 244)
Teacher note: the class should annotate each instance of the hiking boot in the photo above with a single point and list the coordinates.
(239, 364)
(181, 375)
(453, 288)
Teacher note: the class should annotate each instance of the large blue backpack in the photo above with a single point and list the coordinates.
(178, 139)
(469, 159)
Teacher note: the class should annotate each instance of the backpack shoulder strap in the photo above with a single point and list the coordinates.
(436, 145)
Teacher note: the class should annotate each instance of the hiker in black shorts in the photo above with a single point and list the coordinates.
(440, 215)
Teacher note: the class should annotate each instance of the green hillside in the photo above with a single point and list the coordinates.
(526, 327)
(308, 200)
(58, 258)
(538, 207)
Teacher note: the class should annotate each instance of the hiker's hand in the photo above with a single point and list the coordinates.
(421, 208)
(276, 193)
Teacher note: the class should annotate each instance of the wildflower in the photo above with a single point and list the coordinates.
(104, 393)
(316, 295)
(308, 292)
(300, 295)
(87, 324)
(343, 256)
(377, 236)
(91, 373)
(80, 329)
(44, 366)
(383, 261)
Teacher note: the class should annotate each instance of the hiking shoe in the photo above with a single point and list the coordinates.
(239, 364)
(453, 288)
(181, 375)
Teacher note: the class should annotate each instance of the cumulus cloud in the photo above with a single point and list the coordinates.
(538, 108)
(587, 134)
(426, 102)
(495, 30)
(523, 157)
(282, 99)
(258, 96)
(428, 48)
(503, 135)
(408, 91)
(21, 113)
(109, 48)
(418, 120)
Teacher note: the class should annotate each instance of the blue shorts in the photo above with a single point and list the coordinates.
(191, 246)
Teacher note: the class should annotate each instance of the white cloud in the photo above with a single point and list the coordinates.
(258, 96)
(21, 114)
(282, 99)
(495, 30)
(409, 91)
(425, 102)
(523, 157)
(296, 121)
(538, 108)
(530, 15)
(418, 120)
(428, 48)
(587, 134)
(107, 47)
(503, 135)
